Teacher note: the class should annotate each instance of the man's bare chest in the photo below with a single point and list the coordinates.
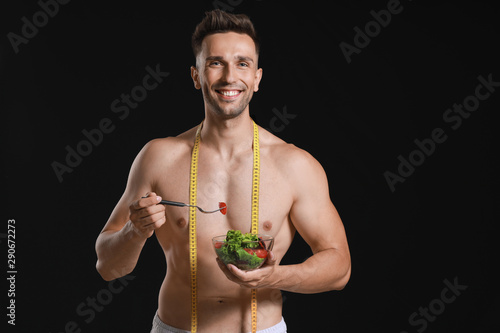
(230, 183)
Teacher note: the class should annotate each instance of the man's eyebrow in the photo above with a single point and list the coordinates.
(244, 58)
(240, 58)
(213, 58)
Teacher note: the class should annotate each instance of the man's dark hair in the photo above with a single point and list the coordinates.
(218, 21)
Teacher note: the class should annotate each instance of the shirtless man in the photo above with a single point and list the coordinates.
(294, 196)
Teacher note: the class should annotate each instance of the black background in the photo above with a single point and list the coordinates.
(355, 118)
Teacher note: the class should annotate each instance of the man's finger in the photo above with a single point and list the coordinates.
(150, 200)
(271, 258)
(240, 274)
(153, 218)
(146, 212)
(155, 225)
(225, 269)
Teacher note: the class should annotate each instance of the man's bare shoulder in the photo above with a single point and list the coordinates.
(286, 155)
(168, 149)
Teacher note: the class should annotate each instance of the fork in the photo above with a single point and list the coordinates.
(181, 204)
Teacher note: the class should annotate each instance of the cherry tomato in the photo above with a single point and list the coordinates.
(261, 253)
(218, 245)
(224, 208)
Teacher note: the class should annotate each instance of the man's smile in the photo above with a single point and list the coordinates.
(228, 94)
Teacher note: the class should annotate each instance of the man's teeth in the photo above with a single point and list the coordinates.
(229, 92)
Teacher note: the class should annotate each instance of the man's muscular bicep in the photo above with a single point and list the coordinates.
(139, 183)
(313, 213)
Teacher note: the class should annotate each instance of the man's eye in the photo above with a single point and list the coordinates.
(215, 63)
(243, 64)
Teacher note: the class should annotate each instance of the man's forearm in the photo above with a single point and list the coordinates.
(118, 251)
(324, 271)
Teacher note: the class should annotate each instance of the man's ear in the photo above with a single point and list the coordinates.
(196, 77)
(258, 77)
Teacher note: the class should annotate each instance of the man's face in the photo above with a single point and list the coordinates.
(226, 71)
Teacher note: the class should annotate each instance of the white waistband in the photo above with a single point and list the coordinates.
(161, 327)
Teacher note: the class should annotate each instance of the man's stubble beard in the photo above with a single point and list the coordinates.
(228, 110)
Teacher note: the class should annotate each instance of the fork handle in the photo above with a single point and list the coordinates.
(173, 203)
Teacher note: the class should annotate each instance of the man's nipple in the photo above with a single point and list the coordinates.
(267, 226)
(181, 222)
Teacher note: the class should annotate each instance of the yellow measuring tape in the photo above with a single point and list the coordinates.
(192, 221)
(192, 230)
(255, 209)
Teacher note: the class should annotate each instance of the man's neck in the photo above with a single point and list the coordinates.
(228, 136)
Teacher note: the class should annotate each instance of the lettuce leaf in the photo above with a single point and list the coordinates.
(234, 250)
(236, 240)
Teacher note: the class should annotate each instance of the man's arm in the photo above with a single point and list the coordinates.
(319, 224)
(317, 221)
(132, 221)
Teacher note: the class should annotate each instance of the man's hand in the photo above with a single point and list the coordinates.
(146, 215)
(258, 278)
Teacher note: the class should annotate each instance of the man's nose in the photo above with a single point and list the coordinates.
(229, 74)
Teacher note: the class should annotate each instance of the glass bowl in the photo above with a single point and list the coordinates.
(246, 255)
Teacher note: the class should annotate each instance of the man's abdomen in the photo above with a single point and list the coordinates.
(218, 310)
